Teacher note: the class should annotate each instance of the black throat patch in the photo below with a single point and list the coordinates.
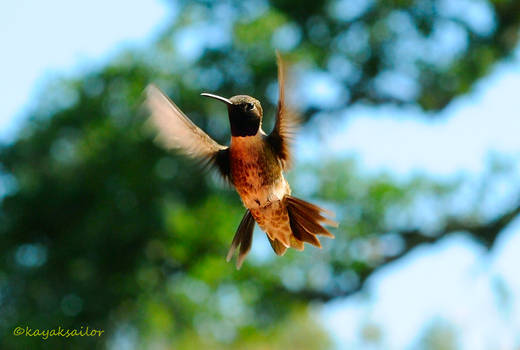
(243, 124)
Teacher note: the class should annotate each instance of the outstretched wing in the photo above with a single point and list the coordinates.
(176, 131)
(286, 124)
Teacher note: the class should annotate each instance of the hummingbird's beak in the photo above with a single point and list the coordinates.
(217, 97)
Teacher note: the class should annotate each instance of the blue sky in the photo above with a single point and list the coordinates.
(454, 280)
(458, 139)
(42, 39)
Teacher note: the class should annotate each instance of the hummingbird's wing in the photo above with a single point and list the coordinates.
(287, 121)
(176, 131)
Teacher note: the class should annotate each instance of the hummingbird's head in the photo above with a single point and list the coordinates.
(245, 114)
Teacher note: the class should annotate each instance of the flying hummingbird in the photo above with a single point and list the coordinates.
(253, 163)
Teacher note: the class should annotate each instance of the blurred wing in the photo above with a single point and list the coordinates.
(176, 131)
(286, 124)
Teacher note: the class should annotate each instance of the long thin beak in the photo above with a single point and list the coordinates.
(217, 97)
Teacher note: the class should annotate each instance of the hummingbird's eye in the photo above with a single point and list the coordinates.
(249, 106)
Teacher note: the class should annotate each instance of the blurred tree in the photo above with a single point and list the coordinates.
(440, 335)
(100, 227)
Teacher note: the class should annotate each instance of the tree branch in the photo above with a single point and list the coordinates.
(486, 233)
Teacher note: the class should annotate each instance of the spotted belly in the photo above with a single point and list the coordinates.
(255, 194)
(274, 221)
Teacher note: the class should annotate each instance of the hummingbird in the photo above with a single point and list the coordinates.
(254, 163)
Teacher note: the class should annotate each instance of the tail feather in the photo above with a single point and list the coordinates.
(244, 238)
(306, 220)
(277, 246)
(309, 223)
(311, 207)
(302, 234)
(296, 243)
(312, 210)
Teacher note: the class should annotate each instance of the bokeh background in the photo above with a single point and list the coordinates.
(411, 136)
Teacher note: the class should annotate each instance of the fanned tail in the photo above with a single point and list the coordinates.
(244, 238)
(306, 221)
(290, 223)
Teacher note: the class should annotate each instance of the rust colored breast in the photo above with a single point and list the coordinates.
(254, 170)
